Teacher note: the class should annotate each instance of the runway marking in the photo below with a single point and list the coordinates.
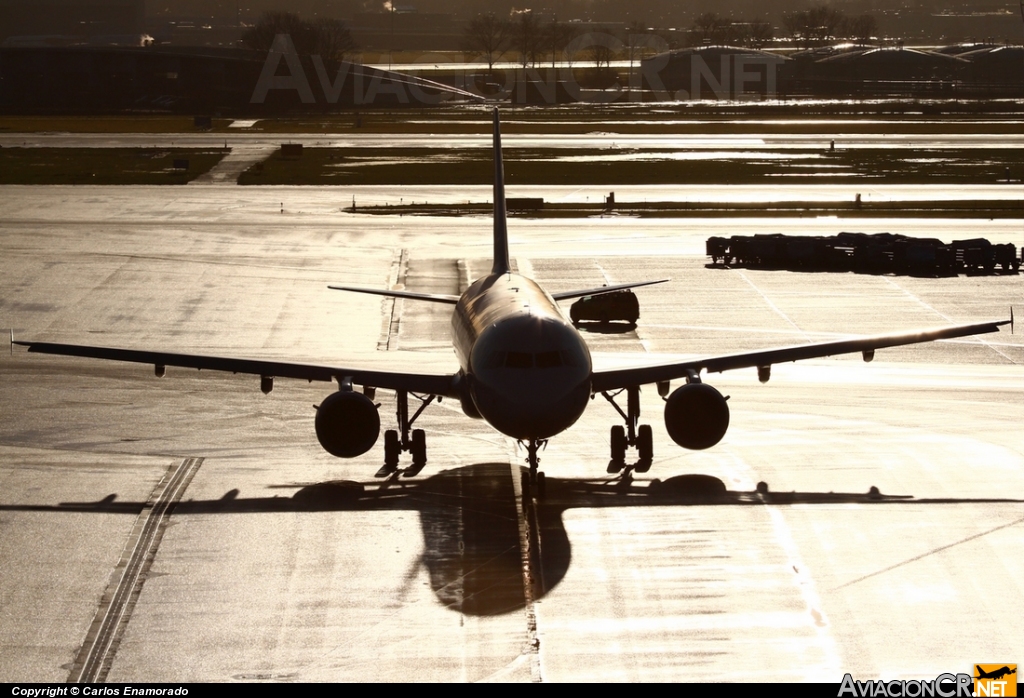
(978, 340)
(392, 316)
(804, 581)
(940, 549)
(771, 305)
(527, 533)
(97, 652)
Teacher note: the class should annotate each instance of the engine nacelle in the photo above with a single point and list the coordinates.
(466, 397)
(347, 424)
(468, 406)
(696, 416)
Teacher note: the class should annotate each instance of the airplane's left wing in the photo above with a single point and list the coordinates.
(763, 359)
(426, 383)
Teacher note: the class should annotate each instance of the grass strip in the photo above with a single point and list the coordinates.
(818, 117)
(105, 165)
(611, 166)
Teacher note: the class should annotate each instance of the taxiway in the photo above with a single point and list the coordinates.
(264, 570)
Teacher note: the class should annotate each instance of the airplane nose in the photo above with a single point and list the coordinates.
(524, 408)
(531, 377)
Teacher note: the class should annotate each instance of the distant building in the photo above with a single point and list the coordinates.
(80, 79)
(997, 70)
(891, 70)
(713, 72)
(73, 18)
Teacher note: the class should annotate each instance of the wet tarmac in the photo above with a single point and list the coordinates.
(271, 560)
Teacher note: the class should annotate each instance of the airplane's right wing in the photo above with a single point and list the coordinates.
(426, 383)
(432, 297)
(627, 377)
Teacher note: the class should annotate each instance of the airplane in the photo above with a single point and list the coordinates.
(995, 674)
(524, 369)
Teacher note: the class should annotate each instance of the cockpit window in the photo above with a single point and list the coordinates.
(519, 359)
(523, 359)
(549, 359)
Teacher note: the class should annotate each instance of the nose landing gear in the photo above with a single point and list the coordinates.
(534, 481)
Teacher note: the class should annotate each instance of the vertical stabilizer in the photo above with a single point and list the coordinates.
(501, 260)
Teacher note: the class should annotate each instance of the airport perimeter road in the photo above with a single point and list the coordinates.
(191, 528)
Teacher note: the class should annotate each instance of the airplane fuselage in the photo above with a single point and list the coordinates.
(528, 369)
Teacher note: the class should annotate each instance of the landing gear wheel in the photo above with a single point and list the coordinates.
(405, 438)
(645, 448)
(392, 449)
(541, 486)
(419, 448)
(526, 487)
(618, 443)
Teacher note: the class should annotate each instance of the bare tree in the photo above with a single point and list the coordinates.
(826, 21)
(818, 25)
(636, 39)
(712, 28)
(527, 37)
(861, 29)
(557, 37)
(602, 54)
(756, 33)
(261, 36)
(636, 35)
(573, 48)
(333, 40)
(488, 35)
(328, 38)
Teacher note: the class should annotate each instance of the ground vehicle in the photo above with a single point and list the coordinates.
(620, 305)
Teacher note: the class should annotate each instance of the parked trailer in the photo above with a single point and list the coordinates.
(877, 253)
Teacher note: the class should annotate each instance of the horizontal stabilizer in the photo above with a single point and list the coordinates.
(602, 289)
(432, 297)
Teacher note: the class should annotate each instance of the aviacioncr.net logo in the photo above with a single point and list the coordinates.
(942, 686)
(995, 680)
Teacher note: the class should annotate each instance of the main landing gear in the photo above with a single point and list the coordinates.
(405, 438)
(632, 434)
(534, 479)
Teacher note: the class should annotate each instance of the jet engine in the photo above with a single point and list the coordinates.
(466, 397)
(347, 424)
(696, 416)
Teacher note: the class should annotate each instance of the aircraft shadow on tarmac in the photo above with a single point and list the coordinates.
(473, 526)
